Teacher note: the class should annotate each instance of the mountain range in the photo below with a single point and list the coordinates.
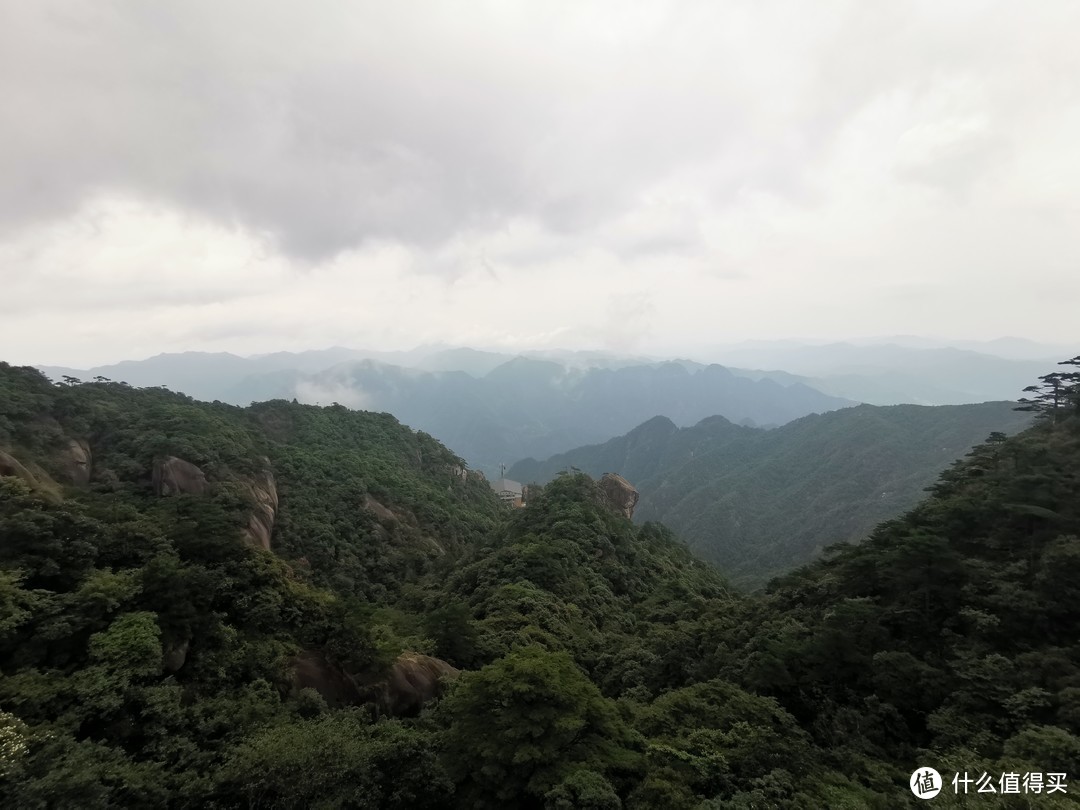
(495, 407)
(521, 407)
(283, 605)
(759, 502)
(892, 374)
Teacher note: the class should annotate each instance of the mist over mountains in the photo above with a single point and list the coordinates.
(495, 408)
(521, 407)
(918, 372)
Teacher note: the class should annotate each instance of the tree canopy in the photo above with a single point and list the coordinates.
(148, 646)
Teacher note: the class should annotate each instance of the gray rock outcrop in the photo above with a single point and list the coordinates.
(411, 681)
(264, 496)
(78, 462)
(175, 655)
(174, 476)
(377, 509)
(619, 494)
(9, 465)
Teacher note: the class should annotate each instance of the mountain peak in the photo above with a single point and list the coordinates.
(658, 425)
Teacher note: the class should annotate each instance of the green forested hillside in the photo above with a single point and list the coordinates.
(142, 637)
(147, 650)
(327, 465)
(760, 502)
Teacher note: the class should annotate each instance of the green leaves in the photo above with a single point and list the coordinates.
(518, 728)
(130, 647)
(340, 760)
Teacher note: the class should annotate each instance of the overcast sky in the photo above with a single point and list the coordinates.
(654, 177)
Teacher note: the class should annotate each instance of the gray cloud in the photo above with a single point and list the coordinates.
(330, 124)
(258, 175)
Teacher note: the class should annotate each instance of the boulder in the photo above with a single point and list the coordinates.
(174, 476)
(175, 655)
(36, 478)
(619, 494)
(311, 670)
(78, 462)
(411, 681)
(9, 465)
(377, 509)
(264, 495)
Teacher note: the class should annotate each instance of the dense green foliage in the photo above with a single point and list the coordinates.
(761, 502)
(145, 646)
(102, 585)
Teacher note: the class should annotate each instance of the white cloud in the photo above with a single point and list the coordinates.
(310, 393)
(226, 176)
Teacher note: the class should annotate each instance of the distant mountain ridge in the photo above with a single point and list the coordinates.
(892, 374)
(494, 407)
(536, 407)
(757, 502)
(523, 406)
(884, 371)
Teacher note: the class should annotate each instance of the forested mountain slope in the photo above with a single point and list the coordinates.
(605, 667)
(145, 628)
(170, 571)
(949, 636)
(759, 502)
(394, 488)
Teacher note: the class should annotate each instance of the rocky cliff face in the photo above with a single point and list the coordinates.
(619, 494)
(175, 655)
(412, 681)
(174, 476)
(377, 509)
(264, 496)
(9, 465)
(73, 465)
(78, 462)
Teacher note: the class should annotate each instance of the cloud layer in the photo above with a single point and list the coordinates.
(254, 176)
